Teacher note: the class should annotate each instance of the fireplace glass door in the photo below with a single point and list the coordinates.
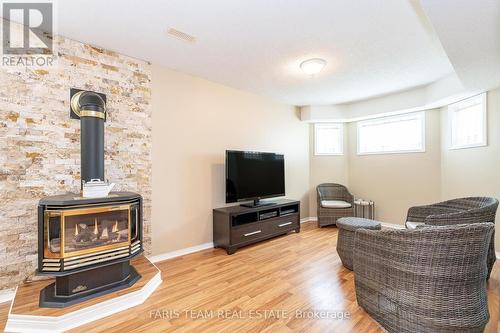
(84, 231)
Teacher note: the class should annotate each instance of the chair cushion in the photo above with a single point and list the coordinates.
(413, 225)
(335, 204)
(354, 223)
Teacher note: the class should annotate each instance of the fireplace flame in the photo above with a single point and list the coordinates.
(96, 230)
(76, 229)
(115, 227)
(105, 234)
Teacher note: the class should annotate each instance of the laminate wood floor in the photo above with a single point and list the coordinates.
(268, 287)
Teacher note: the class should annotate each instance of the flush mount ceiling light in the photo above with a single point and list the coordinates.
(312, 66)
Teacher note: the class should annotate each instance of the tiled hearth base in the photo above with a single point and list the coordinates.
(26, 316)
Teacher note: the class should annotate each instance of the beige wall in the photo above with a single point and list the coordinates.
(382, 178)
(474, 171)
(397, 181)
(326, 169)
(194, 122)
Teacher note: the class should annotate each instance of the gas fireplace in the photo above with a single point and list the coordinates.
(77, 235)
(87, 243)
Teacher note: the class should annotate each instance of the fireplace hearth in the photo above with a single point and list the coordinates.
(87, 243)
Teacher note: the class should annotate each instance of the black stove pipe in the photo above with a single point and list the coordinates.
(91, 109)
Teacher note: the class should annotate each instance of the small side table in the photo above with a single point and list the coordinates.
(364, 208)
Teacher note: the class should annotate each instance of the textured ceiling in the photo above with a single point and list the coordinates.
(470, 36)
(372, 47)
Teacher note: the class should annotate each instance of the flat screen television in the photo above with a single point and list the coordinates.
(252, 175)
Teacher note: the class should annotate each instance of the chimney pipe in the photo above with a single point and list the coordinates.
(90, 107)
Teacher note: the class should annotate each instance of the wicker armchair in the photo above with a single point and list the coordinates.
(330, 191)
(458, 211)
(431, 279)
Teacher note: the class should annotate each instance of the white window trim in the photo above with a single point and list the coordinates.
(420, 114)
(339, 126)
(481, 98)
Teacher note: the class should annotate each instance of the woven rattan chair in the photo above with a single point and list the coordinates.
(345, 239)
(458, 211)
(330, 191)
(431, 279)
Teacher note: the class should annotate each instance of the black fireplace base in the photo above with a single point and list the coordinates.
(78, 287)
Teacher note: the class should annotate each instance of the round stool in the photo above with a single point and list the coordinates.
(345, 241)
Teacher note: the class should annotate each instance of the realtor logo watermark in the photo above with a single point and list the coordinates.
(27, 37)
(232, 314)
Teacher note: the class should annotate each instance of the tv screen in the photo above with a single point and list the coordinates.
(254, 175)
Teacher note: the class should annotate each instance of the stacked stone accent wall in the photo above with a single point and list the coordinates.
(40, 144)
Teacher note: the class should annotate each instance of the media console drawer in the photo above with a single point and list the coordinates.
(283, 223)
(238, 226)
(246, 233)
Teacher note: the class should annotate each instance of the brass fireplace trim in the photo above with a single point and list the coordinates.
(75, 105)
(46, 252)
(77, 109)
(98, 204)
(96, 114)
(74, 212)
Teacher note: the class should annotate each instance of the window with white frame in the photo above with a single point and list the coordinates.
(467, 122)
(329, 139)
(394, 134)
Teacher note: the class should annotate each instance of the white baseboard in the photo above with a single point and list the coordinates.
(181, 252)
(308, 219)
(201, 247)
(7, 295)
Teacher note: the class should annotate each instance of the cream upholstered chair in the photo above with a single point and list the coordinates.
(334, 201)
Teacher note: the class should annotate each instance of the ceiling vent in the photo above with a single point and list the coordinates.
(181, 35)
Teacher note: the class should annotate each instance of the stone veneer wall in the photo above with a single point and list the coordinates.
(40, 144)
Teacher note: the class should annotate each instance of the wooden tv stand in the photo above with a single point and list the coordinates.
(238, 226)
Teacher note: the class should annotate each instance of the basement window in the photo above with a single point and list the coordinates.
(395, 134)
(467, 123)
(329, 139)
